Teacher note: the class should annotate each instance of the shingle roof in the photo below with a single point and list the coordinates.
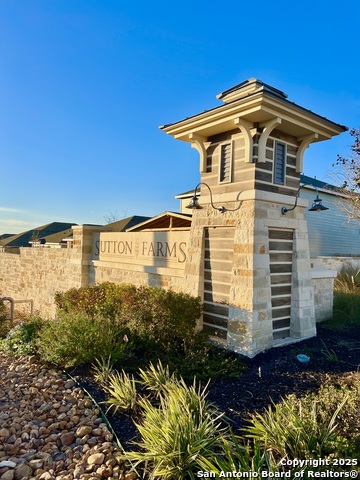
(23, 239)
(6, 235)
(305, 180)
(125, 223)
(57, 237)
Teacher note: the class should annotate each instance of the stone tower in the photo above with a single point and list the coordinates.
(247, 260)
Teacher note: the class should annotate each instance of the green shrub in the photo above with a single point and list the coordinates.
(76, 339)
(5, 323)
(166, 317)
(199, 358)
(331, 395)
(103, 300)
(21, 340)
(206, 360)
(3, 312)
(346, 310)
(176, 436)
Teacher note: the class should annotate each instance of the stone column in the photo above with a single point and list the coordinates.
(82, 235)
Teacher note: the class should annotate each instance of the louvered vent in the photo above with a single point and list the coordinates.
(279, 163)
(281, 252)
(225, 163)
(219, 251)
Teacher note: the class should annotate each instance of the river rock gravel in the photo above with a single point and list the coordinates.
(49, 428)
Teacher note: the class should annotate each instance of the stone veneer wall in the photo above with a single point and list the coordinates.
(323, 273)
(335, 263)
(36, 274)
(265, 213)
(125, 273)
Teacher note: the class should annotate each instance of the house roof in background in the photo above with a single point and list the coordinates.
(54, 238)
(314, 182)
(6, 235)
(23, 239)
(126, 223)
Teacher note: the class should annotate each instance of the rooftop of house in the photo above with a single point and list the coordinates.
(58, 232)
(23, 239)
(6, 235)
(314, 182)
(54, 238)
(126, 223)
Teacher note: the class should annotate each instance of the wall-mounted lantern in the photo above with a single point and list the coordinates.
(195, 205)
(317, 206)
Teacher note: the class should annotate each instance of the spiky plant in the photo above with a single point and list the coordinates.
(122, 390)
(177, 435)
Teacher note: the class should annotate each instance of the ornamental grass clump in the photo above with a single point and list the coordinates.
(298, 428)
(102, 369)
(238, 455)
(156, 379)
(178, 434)
(346, 310)
(123, 393)
(348, 280)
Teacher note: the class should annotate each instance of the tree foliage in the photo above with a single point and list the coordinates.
(348, 176)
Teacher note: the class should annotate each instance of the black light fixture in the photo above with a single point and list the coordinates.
(194, 202)
(317, 206)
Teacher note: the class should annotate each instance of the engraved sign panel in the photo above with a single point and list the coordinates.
(159, 249)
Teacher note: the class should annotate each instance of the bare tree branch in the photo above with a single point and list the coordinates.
(347, 175)
(112, 217)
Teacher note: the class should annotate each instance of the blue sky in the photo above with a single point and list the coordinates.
(85, 84)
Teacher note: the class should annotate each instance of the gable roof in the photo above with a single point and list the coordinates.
(23, 239)
(165, 221)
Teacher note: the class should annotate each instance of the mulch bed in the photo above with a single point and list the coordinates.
(268, 377)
